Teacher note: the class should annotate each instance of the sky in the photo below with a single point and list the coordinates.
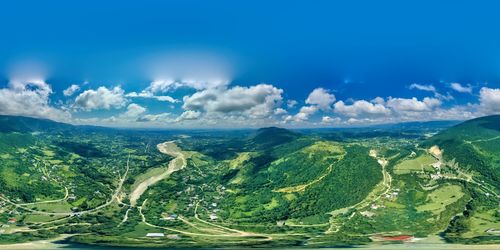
(238, 64)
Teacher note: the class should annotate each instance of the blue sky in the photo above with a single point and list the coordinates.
(249, 63)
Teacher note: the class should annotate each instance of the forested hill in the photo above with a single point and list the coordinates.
(23, 124)
(475, 129)
(475, 145)
(272, 136)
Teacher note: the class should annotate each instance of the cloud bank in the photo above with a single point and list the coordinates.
(219, 104)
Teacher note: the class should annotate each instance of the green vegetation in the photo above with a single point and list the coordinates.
(421, 163)
(438, 199)
(266, 188)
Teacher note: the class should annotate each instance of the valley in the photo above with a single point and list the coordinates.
(269, 187)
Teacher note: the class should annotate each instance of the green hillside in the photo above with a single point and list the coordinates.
(27, 124)
(267, 187)
(474, 145)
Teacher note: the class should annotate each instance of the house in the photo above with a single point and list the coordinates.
(367, 214)
(435, 176)
(170, 217)
(213, 217)
(155, 235)
(12, 220)
(173, 236)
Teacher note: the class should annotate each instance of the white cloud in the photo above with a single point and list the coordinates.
(162, 86)
(71, 90)
(134, 110)
(322, 98)
(30, 97)
(378, 100)
(462, 89)
(489, 100)
(254, 101)
(361, 108)
(188, 115)
(305, 112)
(303, 115)
(413, 104)
(422, 87)
(102, 98)
(446, 97)
(432, 89)
(158, 118)
(280, 111)
(328, 119)
(291, 103)
(150, 95)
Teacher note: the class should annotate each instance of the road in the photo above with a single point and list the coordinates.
(386, 182)
(114, 197)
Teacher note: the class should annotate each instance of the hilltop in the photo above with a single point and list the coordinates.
(23, 124)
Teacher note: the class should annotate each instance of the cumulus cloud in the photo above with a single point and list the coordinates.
(102, 98)
(30, 97)
(280, 111)
(413, 104)
(361, 108)
(489, 100)
(163, 86)
(253, 101)
(328, 119)
(303, 115)
(322, 98)
(188, 115)
(460, 88)
(134, 110)
(71, 90)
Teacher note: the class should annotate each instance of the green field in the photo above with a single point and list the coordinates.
(438, 199)
(418, 164)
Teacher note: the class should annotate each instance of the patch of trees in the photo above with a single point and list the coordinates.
(350, 181)
(83, 149)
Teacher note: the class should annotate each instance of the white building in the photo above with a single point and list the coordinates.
(155, 235)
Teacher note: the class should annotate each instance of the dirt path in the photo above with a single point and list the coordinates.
(66, 194)
(302, 187)
(178, 163)
(386, 183)
(114, 197)
(214, 232)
